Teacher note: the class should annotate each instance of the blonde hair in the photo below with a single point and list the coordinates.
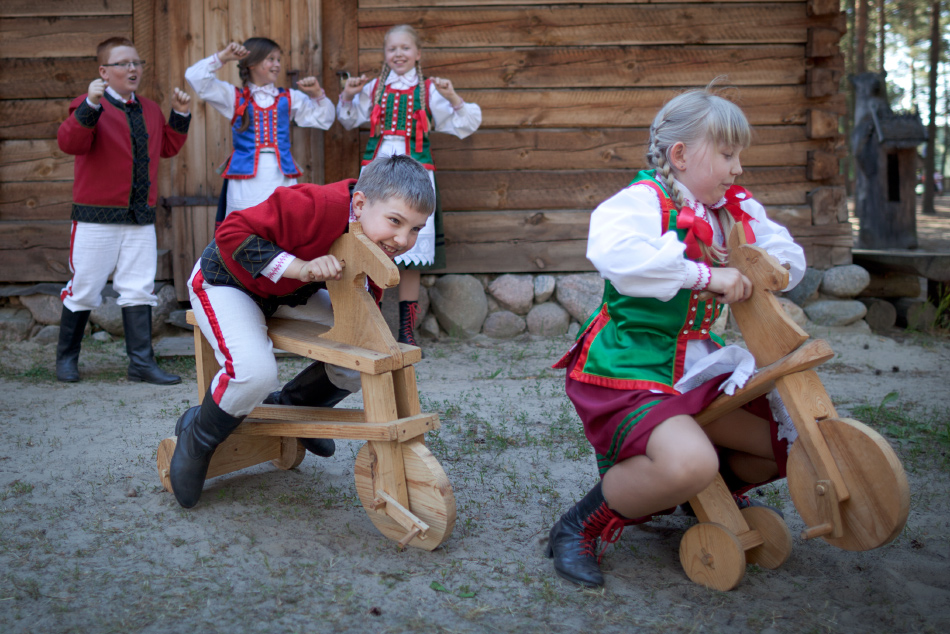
(696, 116)
(385, 70)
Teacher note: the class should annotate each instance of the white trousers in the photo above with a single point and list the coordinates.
(96, 251)
(235, 327)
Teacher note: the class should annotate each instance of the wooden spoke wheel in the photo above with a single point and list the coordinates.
(773, 529)
(880, 497)
(431, 498)
(712, 556)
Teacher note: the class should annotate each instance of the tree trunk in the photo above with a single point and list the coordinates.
(861, 36)
(881, 24)
(929, 160)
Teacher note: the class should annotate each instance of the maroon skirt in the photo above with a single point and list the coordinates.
(618, 423)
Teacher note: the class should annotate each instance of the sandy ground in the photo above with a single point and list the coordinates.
(89, 541)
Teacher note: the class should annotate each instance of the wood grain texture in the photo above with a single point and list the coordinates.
(412, 4)
(429, 492)
(47, 78)
(342, 150)
(30, 202)
(879, 502)
(632, 25)
(712, 556)
(604, 148)
(59, 36)
(34, 160)
(608, 66)
(31, 118)
(633, 107)
(58, 8)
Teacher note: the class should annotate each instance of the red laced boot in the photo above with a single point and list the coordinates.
(573, 539)
(408, 311)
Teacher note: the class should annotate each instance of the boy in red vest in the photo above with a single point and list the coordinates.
(117, 138)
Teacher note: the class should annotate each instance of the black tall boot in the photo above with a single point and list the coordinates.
(311, 388)
(137, 321)
(408, 310)
(71, 327)
(573, 539)
(200, 430)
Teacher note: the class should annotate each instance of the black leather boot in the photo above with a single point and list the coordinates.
(573, 539)
(408, 311)
(71, 327)
(137, 321)
(311, 388)
(200, 430)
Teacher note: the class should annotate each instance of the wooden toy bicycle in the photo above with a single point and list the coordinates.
(844, 478)
(399, 482)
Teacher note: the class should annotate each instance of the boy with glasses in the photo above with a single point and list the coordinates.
(117, 138)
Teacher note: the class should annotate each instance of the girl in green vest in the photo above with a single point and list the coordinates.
(646, 360)
(402, 107)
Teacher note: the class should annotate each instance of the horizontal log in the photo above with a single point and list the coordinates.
(635, 107)
(55, 8)
(31, 118)
(582, 189)
(397, 4)
(47, 78)
(36, 201)
(525, 257)
(513, 227)
(633, 25)
(606, 148)
(892, 285)
(59, 36)
(610, 66)
(39, 252)
(34, 160)
(790, 215)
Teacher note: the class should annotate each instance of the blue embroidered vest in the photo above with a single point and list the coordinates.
(269, 129)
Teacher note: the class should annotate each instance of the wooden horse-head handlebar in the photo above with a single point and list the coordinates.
(768, 331)
(356, 318)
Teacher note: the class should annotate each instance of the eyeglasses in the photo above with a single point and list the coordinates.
(137, 65)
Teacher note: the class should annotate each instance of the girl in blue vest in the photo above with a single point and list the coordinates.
(260, 115)
(402, 107)
(642, 364)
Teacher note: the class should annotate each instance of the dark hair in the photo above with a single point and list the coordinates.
(398, 176)
(258, 48)
(104, 48)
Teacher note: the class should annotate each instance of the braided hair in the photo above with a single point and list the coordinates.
(258, 48)
(696, 116)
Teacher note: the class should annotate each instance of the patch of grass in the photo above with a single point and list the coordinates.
(917, 433)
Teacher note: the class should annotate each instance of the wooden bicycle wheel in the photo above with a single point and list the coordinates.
(712, 556)
(880, 497)
(166, 449)
(773, 529)
(431, 498)
(292, 454)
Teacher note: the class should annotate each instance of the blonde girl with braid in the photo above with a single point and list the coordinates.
(261, 116)
(646, 360)
(402, 107)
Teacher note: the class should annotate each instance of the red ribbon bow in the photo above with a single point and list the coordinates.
(375, 120)
(697, 230)
(239, 111)
(735, 195)
(422, 127)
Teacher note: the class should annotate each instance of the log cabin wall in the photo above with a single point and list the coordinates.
(568, 91)
(47, 58)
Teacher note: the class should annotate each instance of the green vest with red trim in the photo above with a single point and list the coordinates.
(400, 113)
(637, 343)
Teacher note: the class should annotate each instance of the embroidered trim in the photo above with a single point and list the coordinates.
(178, 123)
(86, 115)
